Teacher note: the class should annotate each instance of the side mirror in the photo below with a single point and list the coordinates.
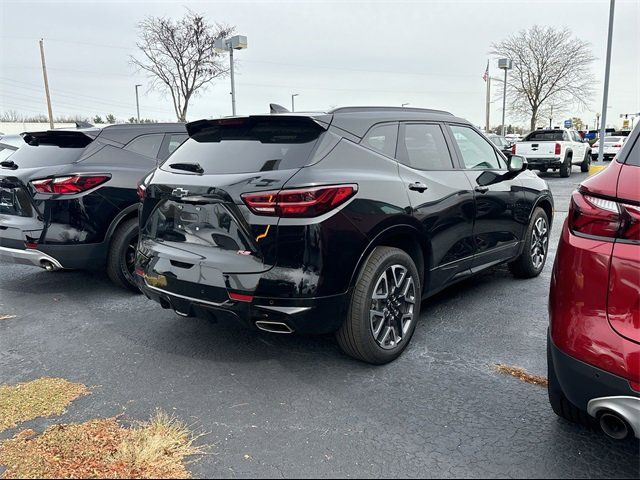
(517, 164)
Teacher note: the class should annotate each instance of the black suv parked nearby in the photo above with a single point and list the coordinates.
(68, 197)
(335, 222)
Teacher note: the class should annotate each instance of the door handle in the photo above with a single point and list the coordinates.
(418, 187)
(481, 189)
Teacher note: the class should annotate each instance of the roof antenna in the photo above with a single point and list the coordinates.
(275, 108)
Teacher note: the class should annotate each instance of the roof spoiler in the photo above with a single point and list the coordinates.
(83, 124)
(59, 138)
(275, 108)
(199, 126)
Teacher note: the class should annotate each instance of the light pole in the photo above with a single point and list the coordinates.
(293, 102)
(605, 97)
(504, 64)
(138, 102)
(237, 42)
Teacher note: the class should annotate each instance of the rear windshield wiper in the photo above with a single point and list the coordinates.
(9, 164)
(188, 167)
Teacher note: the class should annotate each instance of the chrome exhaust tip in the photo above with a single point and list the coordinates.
(614, 426)
(274, 327)
(48, 266)
(619, 417)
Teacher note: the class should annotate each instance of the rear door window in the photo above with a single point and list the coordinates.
(424, 147)
(245, 145)
(382, 138)
(147, 145)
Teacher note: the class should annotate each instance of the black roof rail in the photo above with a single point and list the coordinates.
(387, 109)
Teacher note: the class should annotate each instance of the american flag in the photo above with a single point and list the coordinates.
(485, 77)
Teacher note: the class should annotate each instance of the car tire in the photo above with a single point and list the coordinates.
(369, 311)
(119, 266)
(565, 168)
(543, 169)
(534, 255)
(560, 404)
(586, 163)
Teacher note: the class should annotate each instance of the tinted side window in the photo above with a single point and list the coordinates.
(382, 138)
(147, 145)
(423, 147)
(171, 142)
(476, 152)
(633, 158)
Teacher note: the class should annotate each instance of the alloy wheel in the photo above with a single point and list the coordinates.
(392, 306)
(130, 256)
(539, 243)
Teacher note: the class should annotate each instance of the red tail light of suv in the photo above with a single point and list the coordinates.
(594, 302)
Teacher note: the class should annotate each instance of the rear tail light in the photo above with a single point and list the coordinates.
(601, 217)
(304, 202)
(513, 149)
(618, 145)
(69, 185)
(558, 149)
(239, 297)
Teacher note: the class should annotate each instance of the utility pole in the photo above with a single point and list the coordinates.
(605, 97)
(488, 119)
(233, 84)
(46, 83)
(138, 102)
(237, 42)
(504, 100)
(504, 64)
(293, 103)
(551, 118)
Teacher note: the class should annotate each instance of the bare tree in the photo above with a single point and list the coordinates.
(179, 56)
(549, 67)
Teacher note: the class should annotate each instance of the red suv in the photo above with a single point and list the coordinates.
(594, 304)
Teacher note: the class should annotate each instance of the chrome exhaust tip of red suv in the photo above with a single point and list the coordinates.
(619, 417)
(614, 426)
(274, 327)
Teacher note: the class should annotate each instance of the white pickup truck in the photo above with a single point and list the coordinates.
(556, 149)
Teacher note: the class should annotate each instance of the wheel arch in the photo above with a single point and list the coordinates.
(405, 237)
(128, 213)
(547, 205)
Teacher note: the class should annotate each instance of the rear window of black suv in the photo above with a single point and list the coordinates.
(246, 145)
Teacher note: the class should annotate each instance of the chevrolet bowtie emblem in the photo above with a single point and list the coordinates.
(180, 192)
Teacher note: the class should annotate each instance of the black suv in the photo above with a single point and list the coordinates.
(335, 222)
(68, 197)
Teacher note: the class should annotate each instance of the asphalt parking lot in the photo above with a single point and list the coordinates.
(287, 406)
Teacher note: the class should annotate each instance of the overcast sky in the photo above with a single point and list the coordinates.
(425, 53)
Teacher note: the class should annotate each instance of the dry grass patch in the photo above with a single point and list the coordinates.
(102, 449)
(523, 375)
(44, 397)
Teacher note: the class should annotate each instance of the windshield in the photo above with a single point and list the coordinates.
(612, 139)
(248, 145)
(542, 136)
